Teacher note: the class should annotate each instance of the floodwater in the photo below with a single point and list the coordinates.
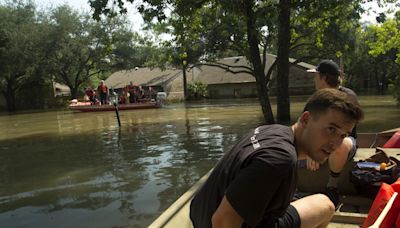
(65, 169)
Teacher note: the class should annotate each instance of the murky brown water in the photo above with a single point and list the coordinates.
(64, 169)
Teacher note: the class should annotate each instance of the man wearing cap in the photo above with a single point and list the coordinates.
(327, 75)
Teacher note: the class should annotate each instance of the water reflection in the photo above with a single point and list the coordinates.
(63, 169)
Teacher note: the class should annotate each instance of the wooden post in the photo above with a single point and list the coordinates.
(117, 113)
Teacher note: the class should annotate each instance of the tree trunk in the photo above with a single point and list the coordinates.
(9, 95)
(255, 59)
(74, 92)
(185, 94)
(283, 103)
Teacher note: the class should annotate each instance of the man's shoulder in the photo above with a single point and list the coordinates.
(274, 127)
(347, 90)
(278, 138)
(275, 130)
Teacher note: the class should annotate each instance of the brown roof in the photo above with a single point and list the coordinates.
(216, 75)
(206, 74)
(142, 76)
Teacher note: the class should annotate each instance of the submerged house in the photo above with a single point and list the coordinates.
(220, 83)
(224, 84)
(61, 90)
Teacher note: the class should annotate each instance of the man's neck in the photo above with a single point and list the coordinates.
(325, 85)
(297, 131)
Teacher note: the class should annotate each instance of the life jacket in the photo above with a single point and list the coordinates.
(89, 92)
(394, 141)
(132, 90)
(382, 198)
(102, 88)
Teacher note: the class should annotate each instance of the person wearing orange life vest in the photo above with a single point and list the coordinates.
(102, 90)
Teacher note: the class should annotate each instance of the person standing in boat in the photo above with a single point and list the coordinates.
(327, 75)
(253, 184)
(122, 98)
(103, 92)
(140, 94)
(131, 90)
(152, 93)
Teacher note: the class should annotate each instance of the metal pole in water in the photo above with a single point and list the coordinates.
(117, 113)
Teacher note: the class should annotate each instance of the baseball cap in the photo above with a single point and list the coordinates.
(326, 66)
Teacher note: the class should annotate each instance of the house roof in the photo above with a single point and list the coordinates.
(206, 74)
(215, 75)
(142, 76)
(61, 89)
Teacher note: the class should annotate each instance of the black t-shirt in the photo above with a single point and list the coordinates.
(258, 176)
(353, 95)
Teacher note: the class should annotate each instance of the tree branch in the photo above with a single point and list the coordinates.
(227, 68)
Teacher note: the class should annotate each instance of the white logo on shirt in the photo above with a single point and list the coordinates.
(254, 140)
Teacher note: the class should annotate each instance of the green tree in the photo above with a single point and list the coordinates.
(242, 12)
(131, 50)
(317, 29)
(75, 46)
(386, 39)
(81, 49)
(384, 44)
(185, 49)
(18, 50)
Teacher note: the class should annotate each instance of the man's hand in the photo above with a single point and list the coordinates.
(312, 165)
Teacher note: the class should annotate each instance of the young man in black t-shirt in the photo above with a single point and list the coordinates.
(254, 182)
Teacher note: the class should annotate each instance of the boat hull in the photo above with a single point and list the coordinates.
(103, 108)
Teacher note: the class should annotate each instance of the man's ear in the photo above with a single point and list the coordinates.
(323, 77)
(304, 118)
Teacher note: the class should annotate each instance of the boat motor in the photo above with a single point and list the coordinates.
(161, 97)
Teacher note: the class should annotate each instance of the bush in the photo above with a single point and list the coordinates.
(197, 90)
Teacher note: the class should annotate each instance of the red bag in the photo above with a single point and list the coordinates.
(384, 194)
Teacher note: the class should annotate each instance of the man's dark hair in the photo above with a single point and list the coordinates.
(325, 99)
(330, 70)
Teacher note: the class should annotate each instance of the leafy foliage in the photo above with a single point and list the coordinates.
(384, 43)
(18, 52)
(69, 46)
(206, 30)
(62, 45)
(197, 90)
(323, 30)
(386, 39)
